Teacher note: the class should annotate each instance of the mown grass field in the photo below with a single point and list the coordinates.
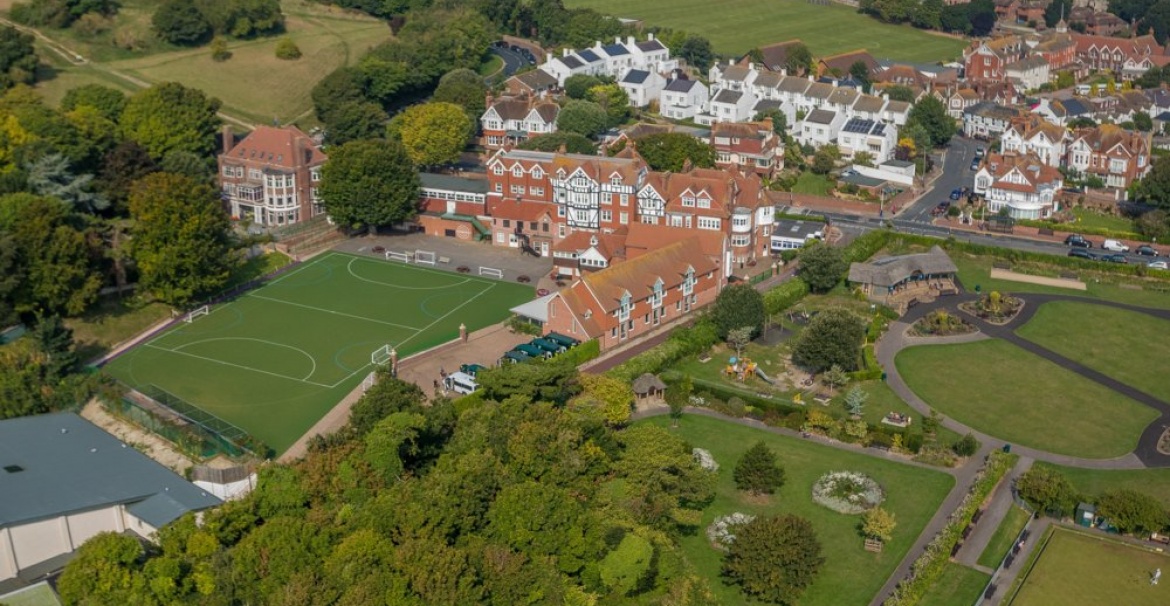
(959, 586)
(1122, 344)
(1077, 569)
(851, 576)
(1009, 393)
(1005, 535)
(253, 85)
(736, 26)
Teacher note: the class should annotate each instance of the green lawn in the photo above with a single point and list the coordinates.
(113, 320)
(812, 183)
(245, 364)
(959, 586)
(1078, 569)
(851, 575)
(1006, 392)
(36, 595)
(1116, 342)
(1154, 482)
(997, 548)
(882, 401)
(736, 26)
(1090, 218)
(1101, 285)
(253, 85)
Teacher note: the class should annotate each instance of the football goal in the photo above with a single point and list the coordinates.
(369, 381)
(491, 272)
(397, 256)
(425, 257)
(381, 356)
(195, 313)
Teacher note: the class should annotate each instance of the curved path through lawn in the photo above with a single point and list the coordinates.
(1145, 455)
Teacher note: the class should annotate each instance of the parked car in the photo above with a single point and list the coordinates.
(1158, 265)
(1115, 246)
(978, 152)
(1115, 258)
(1146, 250)
(1081, 253)
(1077, 241)
(975, 164)
(956, 193)
(941, 209)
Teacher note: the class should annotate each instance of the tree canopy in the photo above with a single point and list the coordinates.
(673, 151)
(738, 306)
(822, 266)
(774, 558)
(1132, 511)
(932, 115)
(833, 337)
(180, 240)
(572, 143)
(169, 117)
(369, 183)
(757, 471)
(585, 118)
(18, 58)
(433, 133)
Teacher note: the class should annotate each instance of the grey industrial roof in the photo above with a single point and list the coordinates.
(889, 271)
(636, 76)
(449, 183)
(52, 465)
(797, 230)
(679, 85)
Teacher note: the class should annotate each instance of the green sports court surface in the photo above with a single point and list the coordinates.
(275, 360)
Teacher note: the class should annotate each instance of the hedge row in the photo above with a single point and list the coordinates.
(1084, 229)
(796, 217)
(683, 342)
(929, 567)
(784, 296)
(582, 353)
(870, 370)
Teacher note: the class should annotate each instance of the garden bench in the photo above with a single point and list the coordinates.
(444, 259)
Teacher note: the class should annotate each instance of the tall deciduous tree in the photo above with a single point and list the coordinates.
(577, 86)
(181, 22)
(799, 60)
(110, 102)
(59, 276)
(464, 88)
(585, 118)
(672, 151)
(613, 100)
(736, 307)
(758, 472)
(18, 58)
(1132, 511)
(433, 133)
(181, 242)
(1155, 186)
(369, 184)
(879, 524)
(774, 558)
(572, 143)
(614, 397)
(697, 51)
(833, 336)
(169, 117)
(822, 267)
(1048, 490)
(102, 571)
(932, 115)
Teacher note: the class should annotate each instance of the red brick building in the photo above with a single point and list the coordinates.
(1115, 155)
(512, 120)
(626, 301)
(753, 146)
(453, 207)
(985, 60)
(271, 175)
(1126, 57)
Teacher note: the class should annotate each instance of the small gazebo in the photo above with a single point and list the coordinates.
(648, 386)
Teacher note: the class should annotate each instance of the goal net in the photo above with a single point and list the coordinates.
(369, 381)
(381, 356)
(425, 257)
(195, 313)
(491, 272)
(397, 256)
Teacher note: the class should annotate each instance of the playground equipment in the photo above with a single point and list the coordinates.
(743, 368)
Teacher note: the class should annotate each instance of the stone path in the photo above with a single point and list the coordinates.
(896, 339)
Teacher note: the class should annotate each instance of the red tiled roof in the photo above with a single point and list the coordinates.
(286, 146)
(522, 211)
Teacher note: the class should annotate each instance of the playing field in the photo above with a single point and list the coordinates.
(736, 26)
(1076, 569)
(276, 359)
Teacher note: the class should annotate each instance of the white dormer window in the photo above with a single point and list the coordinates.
(704, 203)
(688, 285)
(615, 180)
(498, 169)
(537, 173)
(623, 312)
(517, 171)
(656, 298)
(688, 201)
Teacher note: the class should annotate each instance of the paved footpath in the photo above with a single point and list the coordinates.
(998, 506)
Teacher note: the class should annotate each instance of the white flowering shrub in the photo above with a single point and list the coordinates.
(721, 532)
(847, 492)
(705, 460)
(697, 400)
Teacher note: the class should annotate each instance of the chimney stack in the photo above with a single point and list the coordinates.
(229, 139)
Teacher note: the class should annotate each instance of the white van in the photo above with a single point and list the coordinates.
(460, 382)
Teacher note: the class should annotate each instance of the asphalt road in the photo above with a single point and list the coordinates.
(956, 173)
(512, 61)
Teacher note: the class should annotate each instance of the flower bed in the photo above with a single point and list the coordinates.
(847, 492)
(994, 308)
(940, 323)
(721, 532)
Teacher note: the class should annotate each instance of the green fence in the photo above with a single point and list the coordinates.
(196, 432)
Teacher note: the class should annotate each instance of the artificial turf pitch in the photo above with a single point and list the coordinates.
(275, 360)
